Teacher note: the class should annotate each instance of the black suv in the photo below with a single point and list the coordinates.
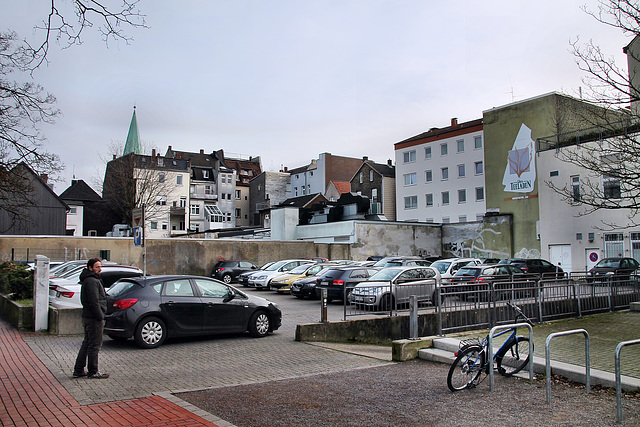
(228, 271)
(619, 268)
(336, 279)
(536, 266)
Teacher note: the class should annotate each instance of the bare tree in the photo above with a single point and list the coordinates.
(607, 148)
(25, 106)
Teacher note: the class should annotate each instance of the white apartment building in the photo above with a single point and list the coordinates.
(315, 177)
(440, 175)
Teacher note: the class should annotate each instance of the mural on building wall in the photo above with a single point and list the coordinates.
(478, 240)
(528, 253)
(520, 171)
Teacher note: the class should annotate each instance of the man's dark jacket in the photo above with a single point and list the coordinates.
(92, 295)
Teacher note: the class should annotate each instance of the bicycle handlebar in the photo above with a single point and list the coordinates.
(519, 313)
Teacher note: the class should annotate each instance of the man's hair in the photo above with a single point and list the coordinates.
(93, 261)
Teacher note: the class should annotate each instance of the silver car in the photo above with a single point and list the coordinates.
(395, 285)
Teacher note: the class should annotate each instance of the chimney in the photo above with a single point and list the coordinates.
(365, 158)
(114, 157)
(169, 148)
(153, 152)
(285, 169)
(389, 162)
(454, 122)
(201, 151)
(44, 177)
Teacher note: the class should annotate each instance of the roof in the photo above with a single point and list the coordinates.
(342, 186)
(304, 201)
(133, 144)
(436, 134)
(383, 169)
(80, 191)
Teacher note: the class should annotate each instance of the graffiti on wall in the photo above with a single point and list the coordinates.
(476, 245)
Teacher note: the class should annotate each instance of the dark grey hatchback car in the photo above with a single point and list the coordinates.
(152, 308)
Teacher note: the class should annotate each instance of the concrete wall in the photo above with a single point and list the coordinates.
(395, 238)
(170, 256)
(491, 238)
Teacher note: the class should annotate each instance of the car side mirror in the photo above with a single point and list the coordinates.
(231, 295)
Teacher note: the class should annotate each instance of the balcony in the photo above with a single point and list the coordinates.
(177, 211)
(203, 196)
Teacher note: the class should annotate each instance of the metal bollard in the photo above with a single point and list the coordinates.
(323, 313)
(413, 317)
(618, 376)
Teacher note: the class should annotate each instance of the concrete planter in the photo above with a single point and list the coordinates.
(19, 316)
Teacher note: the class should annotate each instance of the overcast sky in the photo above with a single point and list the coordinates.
(288, 80)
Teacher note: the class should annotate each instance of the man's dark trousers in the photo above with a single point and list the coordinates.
(90, 347)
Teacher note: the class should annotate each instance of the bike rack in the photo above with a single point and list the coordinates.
(490, 348)
(618, 380)
(547, 353)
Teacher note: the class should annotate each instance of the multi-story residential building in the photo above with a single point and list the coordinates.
(212, 190)
(315, 177)
(441, 174)
(377, 182)
(88, 215)
(246, 170)
(266, 190)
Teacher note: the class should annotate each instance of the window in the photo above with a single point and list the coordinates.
(477, 142)
(238, 195)
(429, 199)
(183, 201)
(445, 197)
(205, 174)
(445, 174)
(178, 179)
(223, 178)
(462, 218)
(427, 153)
(460, 145)
(430, 220)
(361, 177)
(73, 210)
(575, 188)
(154, 225)
(444, 149)
(207, 189)
(222, 195)
(195, 209)
(554, 173)
(461, 171)
(371, 175)
(462, 196)
(611, 188)
(411, 202)
(479, 168)
(479, 194)
(410, 156)
(165, 226)
(410, 179)
(238, 213)
(428, 176)
(374, 195)
(161, 200)
(295, 192)
(445, 220)
(161, 177)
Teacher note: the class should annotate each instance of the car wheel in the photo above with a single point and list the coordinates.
(299, 296)
(259, 324)
(150, 333)
(226, 278)
(116, 337)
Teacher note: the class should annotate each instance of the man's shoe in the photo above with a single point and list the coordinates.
(98, 376)
(79, 374)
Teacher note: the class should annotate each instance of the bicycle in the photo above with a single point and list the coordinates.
(470, 363)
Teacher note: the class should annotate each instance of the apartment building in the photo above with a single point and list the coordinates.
(316, 176)
(440, 174)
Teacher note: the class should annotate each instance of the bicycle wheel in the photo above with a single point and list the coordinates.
(466, 369)
(515, 357)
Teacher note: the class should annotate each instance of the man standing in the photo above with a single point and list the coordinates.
(94, 307)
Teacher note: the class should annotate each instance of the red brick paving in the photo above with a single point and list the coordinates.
(31, 396)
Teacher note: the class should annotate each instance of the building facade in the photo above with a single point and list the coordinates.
(315, 177)
(377, 182)
(440, 174)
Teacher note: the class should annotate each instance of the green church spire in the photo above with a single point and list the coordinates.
(133, 138)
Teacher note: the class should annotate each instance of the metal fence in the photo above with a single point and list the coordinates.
(481, 304)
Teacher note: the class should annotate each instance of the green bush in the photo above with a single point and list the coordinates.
(16, 281)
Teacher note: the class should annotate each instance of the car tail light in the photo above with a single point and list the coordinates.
(66, 294)
(125, 303)
(220, 269)
(338, 282)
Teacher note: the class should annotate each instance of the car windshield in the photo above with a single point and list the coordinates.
(466, 272)
(300, 269)
(264, 267)
(441, 266)
(275, 266)
(609, 263)
(120, 288)
(386, 274)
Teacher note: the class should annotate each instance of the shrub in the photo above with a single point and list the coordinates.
(16, 281)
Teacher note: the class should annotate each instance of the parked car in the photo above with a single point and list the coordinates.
(395, 285)
(536, 266)
(261, 280)
(70, 276)
(618, 269)
(491, 275)
(152, 308)
(306, 286)
(228, 271)
(337, 279)
(282, 283)
(396, 261)
(67, 293)
(243, 278)
(449, 266)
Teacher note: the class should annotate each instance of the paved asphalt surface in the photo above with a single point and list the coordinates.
(199, 367)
